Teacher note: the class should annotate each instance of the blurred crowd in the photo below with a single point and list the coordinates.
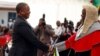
(5, 38)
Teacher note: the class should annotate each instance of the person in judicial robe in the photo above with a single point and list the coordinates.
(86, 42)
(24, 41)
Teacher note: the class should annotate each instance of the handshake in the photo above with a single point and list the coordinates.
(60, 46)
(51, 50)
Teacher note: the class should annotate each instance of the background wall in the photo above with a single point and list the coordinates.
(4, 16)
(54, 10)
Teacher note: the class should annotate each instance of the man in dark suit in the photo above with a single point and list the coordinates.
(25, 42)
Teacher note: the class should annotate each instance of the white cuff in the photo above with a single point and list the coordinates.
(60, 46)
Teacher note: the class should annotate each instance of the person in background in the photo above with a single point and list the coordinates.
(71, 27)
(58, 30)
(1, 30)
(2, 41)
(65, 30)
(7, 35)
(24, 40)
(45, 35)
(64, 36)
(10, 24)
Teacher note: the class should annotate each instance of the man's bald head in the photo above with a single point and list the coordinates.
(23, 10)
(20, 6)
(58, 23)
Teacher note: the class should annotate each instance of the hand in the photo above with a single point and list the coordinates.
(52, 52)
(64, 34)
(50, 47)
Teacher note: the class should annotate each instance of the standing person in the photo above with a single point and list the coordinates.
(25, 42)
(58, 30)
(64, 36)
(45, 34)
(7, 36)
(10, 23)
(86, 42)
(71, 27)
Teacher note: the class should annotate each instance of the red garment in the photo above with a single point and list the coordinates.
(4, 39)
(96, 50)
(88, 42)
(8, 37)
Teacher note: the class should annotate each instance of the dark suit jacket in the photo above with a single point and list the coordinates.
(25, 42)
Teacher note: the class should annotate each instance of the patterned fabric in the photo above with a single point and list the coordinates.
(56, 53)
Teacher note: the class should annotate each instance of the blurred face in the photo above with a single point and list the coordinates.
(83, 15)
(25, 12)
(40, 22)
(58, 23)
(66, 24)
(99, 11)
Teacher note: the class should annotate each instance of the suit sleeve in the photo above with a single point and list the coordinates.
(29, 35)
